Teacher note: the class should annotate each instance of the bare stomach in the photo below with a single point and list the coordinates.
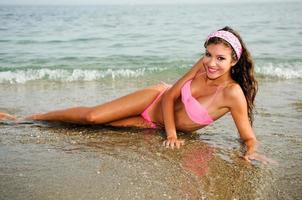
(182, 121)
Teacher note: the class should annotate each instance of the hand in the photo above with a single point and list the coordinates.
(256, 156)
(171, 142)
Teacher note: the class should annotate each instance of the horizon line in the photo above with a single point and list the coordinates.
(138, 3)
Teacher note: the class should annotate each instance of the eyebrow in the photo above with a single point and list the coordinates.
(216, 55)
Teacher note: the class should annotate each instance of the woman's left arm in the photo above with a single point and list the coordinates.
(238, 107)
(239, 112)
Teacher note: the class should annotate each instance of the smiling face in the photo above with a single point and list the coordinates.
(218, 61)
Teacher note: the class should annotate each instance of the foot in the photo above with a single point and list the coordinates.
(5, 116)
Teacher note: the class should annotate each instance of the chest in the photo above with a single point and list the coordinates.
(196, 90)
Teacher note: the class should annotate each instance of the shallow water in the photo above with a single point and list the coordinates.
(51, 161)
(104, 163)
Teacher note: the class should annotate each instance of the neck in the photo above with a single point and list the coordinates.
(220, 81)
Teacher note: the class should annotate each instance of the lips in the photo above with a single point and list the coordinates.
(212, 70)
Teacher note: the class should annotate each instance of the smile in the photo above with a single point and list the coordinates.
(212, 70)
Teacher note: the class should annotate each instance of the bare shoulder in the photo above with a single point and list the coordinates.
(233, 94)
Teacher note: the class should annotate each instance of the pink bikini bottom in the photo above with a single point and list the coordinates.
(145, 114)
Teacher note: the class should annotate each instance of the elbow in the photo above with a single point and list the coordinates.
(168, 97)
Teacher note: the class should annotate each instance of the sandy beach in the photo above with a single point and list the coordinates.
(54, 161)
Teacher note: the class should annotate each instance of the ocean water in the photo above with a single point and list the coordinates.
(54, 57)
(85, 43)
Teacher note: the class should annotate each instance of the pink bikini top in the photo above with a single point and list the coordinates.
(196, 112)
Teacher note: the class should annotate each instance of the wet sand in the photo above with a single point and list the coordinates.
(56, 161)
(108, 163)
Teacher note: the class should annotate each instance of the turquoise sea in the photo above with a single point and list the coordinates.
(85, 43)
(55, 57)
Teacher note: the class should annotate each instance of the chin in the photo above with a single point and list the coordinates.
(213, 76)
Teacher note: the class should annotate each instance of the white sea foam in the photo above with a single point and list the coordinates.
(65, 75)
(281, 71)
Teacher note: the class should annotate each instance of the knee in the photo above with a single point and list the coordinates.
(90, 118)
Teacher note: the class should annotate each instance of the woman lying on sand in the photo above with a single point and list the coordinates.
(221, 81)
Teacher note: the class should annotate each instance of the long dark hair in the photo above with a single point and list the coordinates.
(242, 72)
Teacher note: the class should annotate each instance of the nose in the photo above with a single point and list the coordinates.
(212, 61)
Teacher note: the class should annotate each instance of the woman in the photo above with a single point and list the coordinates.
(221, 81)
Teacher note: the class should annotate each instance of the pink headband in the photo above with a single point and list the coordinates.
(230, 38)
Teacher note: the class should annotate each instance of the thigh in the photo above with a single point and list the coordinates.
(130, 122)
(127, 106)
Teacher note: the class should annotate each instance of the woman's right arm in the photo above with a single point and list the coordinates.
(168, 100)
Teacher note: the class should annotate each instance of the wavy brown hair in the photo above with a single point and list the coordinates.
(242, 72)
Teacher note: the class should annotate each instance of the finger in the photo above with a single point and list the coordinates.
(164, 143)
(178, 144)
(172, 144)
(261, 158)
(246, 158)
(167, 144)
(258, 157)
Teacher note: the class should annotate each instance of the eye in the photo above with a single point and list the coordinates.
(221, 58)
(207, 54)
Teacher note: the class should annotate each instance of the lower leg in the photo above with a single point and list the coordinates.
(73, 115)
